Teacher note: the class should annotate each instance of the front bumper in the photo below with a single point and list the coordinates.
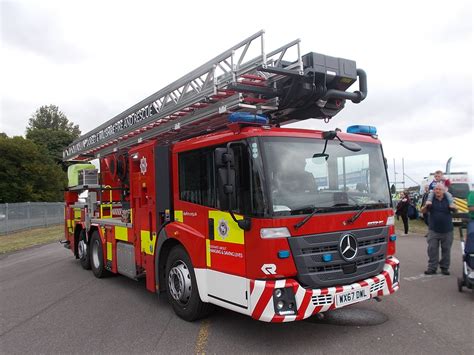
(312, 301)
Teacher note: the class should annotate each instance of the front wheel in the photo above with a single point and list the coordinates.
(97, 256)
(182, 288)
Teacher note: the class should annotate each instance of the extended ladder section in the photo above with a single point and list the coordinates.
(243, 78)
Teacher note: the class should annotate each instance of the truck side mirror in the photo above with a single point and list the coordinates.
(226, 187)
(352, 146)
(224, 156)
(224, 160)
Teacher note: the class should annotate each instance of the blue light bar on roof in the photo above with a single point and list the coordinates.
(366, 130)
(247, 117)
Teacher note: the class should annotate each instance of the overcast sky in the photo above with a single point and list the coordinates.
(94, 59)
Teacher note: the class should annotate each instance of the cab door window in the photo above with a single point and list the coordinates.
(197, 178)
(248, 182)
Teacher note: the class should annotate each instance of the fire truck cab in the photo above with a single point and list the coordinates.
(230, 209)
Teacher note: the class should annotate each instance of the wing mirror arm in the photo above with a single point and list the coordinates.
(228, 188)
(331, 135)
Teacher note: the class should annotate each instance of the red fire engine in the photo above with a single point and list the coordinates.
(199, 190)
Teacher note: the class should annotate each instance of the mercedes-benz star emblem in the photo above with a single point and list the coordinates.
(348, 247)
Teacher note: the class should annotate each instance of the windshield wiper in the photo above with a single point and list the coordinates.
(357, 215)
(308, 217)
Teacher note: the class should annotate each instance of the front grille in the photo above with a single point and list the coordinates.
(321, 300)
(377, 286)
(314, 272)
(316, 250)
(364, 243)
(339, 266)
(370, 260)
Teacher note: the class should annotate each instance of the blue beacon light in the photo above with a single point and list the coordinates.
(364, 130)
(247, 117)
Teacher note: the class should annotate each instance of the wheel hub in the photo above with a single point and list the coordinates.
(179, 282)
(95, 254)
(82, 249)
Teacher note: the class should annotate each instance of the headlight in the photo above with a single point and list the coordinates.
(271, 233)
(390, 221)
(284, 301)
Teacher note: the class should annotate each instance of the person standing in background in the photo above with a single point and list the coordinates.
(440, 233)
(402, 209)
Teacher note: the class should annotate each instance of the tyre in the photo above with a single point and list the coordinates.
(83, 251)
(460, 284)
(97, 256)
(182, 288)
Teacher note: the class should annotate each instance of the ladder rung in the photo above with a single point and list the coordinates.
(253, 77)
(254, 100)
(252, 83)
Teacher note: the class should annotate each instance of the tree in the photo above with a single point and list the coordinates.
(50, 128)
(27, 173)
(49, 117)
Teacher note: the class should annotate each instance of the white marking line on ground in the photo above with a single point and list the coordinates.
(425, 278)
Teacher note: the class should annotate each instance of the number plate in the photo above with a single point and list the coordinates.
(352, 296)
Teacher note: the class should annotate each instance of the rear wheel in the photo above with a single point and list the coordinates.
(182, 288)
(83, 251)
(97, 256)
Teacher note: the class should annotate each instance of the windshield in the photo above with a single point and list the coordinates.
(299, 182)
(459, 190)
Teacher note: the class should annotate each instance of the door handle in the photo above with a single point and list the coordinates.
(210, 223)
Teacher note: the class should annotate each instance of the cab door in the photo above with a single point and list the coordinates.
(197, 206)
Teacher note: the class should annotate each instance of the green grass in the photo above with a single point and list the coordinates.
(414, 226)
(419, 227)
(24, 239)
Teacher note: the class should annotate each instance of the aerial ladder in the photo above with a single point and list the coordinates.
(308, 86)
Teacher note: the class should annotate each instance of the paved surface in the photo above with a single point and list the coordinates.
(48, 304)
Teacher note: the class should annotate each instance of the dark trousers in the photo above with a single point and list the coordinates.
(435, 241)
(405, 222)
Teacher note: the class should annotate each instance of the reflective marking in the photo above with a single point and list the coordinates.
(121, 233)
(106, 208)
(178, 216)
(109, 251)
(147, 243)
(77, 213)
(269, 269)
(225, 229)
(208, 253)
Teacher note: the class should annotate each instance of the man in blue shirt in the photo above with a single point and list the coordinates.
(440, 231)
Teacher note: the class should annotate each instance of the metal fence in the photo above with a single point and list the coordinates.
(19, 216)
